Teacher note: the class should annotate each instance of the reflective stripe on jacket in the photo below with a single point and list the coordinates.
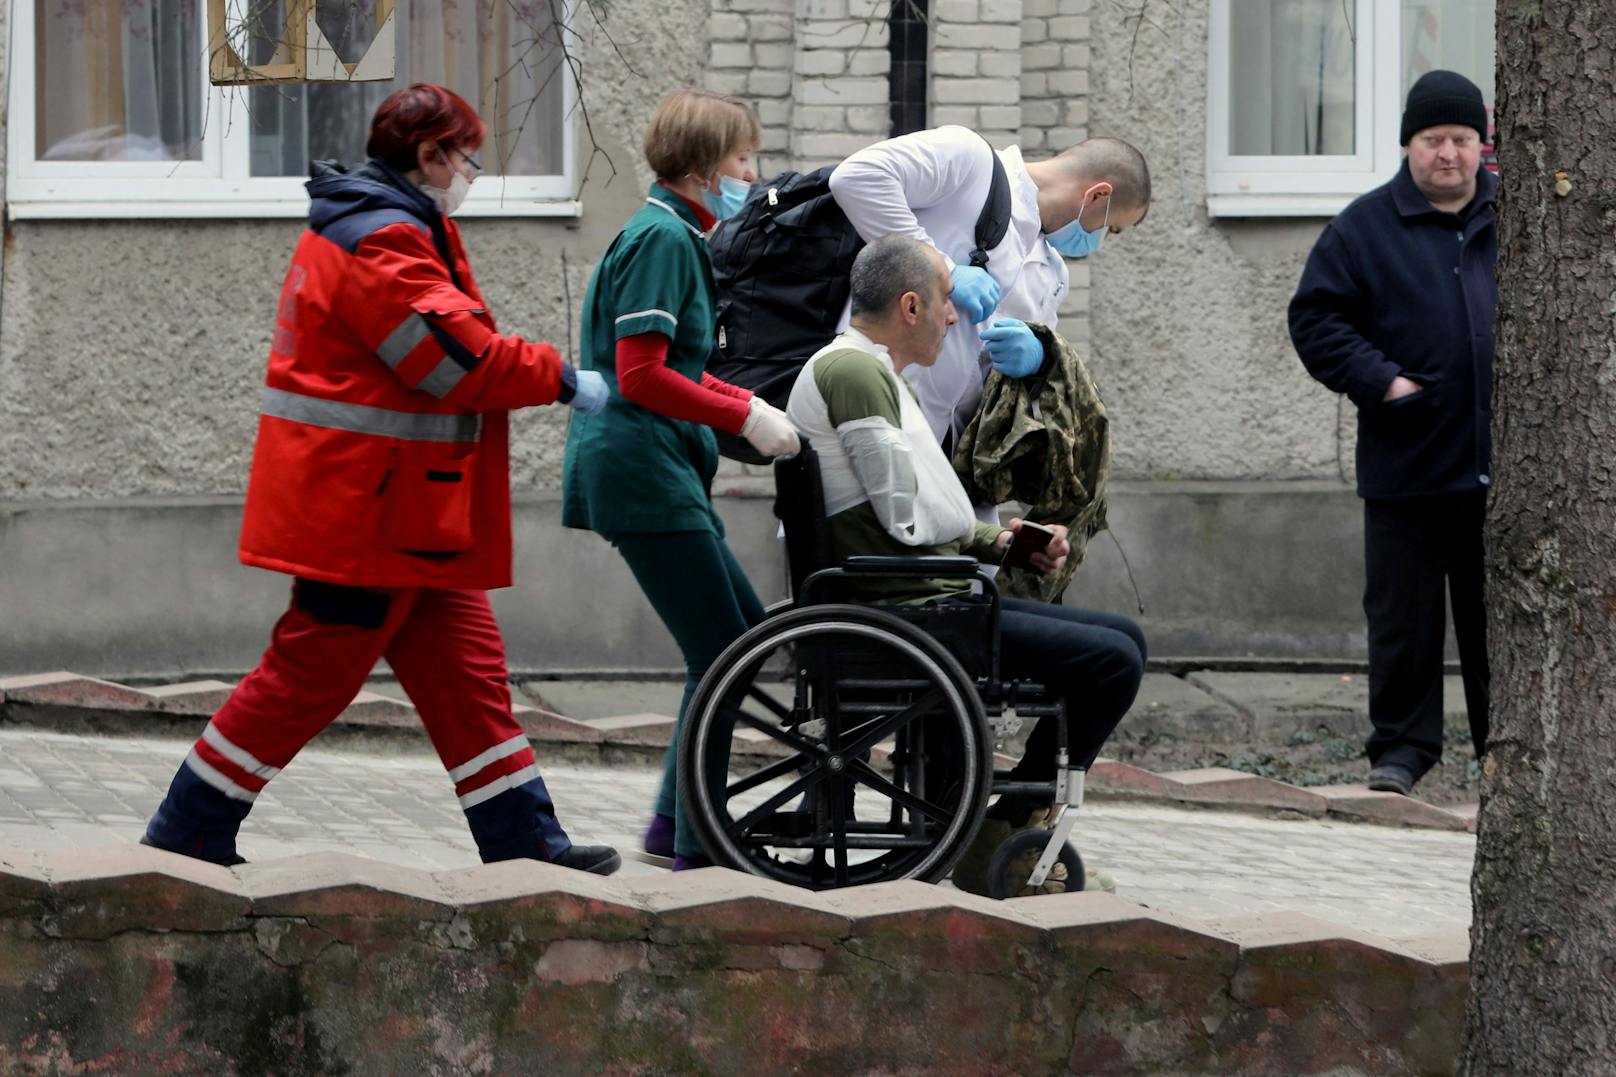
(382, 457)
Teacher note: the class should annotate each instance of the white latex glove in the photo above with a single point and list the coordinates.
(769, 431)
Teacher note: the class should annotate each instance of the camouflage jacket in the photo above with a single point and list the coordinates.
(1046, 442)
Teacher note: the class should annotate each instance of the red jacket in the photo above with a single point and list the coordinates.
(383, 444)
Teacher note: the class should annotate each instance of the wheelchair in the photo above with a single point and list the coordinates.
(840, 744)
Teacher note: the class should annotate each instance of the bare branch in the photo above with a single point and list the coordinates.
(1140, 19)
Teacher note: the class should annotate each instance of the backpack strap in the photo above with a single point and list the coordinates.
(994, 220)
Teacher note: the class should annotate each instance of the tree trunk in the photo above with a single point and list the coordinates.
(1543, 949)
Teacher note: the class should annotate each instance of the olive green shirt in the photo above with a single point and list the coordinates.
(855, 385)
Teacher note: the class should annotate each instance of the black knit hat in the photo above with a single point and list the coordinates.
(1440, 97)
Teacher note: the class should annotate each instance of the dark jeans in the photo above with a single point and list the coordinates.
(704, 599)
(1412, 548)
(1094, 659)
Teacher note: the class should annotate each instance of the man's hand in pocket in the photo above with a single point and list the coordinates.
(1401, 387)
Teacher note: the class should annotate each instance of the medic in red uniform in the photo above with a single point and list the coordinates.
(381, 482)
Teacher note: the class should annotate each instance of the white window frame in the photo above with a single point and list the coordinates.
(220, 184)
(1308, 186)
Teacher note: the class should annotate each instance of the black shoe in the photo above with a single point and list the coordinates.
(1391, 778)
(1017, 808)
(595, 859)
(230, 862)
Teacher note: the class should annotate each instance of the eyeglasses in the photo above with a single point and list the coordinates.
(476, 168)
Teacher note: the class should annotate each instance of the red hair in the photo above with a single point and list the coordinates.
(424, 112)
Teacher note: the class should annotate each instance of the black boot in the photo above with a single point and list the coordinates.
(595, 859)
(228, 860)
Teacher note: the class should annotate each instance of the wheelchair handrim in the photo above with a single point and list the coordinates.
(935, 669)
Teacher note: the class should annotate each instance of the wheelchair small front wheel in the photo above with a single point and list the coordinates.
(1014, 860)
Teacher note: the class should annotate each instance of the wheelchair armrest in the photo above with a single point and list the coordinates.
(872, 565)
(919, 568)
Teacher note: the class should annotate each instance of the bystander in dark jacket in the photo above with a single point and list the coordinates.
(1397, 286)
(1395, 309)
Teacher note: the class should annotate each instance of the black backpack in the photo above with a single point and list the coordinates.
(781, 265)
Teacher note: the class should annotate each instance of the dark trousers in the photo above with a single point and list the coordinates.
(704, 599)
(1094, 659)
(1413, 549)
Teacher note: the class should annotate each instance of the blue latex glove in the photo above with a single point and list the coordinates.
(1012, 348)
(590, 394)
(976, 293)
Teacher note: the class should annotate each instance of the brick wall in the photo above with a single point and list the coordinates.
(839, 81)
(1054, 75)
(815, 70)
(976, 67)
(817, 73)
(750, 56)
(1055, 58)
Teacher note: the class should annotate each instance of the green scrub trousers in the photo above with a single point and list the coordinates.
(704, 598)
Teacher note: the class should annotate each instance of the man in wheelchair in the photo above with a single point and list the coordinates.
(889, 490)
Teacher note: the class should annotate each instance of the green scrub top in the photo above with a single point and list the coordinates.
(628, 469)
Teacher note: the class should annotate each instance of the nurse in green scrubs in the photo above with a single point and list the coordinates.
(639, 472)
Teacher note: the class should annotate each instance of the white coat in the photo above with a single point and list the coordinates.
(931, 185)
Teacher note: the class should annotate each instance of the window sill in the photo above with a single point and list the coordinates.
(1276, 205)
(267, 209)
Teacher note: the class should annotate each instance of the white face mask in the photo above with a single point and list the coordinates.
(449, 200)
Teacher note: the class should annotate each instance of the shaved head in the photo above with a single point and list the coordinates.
(1108, 160)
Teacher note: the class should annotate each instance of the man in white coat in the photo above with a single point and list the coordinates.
(931, 186)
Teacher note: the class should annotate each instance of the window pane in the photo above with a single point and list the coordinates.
(1292, 74)
(118, 80)
(501, 55)
(1452, 35)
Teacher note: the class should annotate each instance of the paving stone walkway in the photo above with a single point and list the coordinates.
(61, 791)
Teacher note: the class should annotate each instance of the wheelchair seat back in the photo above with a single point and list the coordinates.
(966, 629)
(799, 503)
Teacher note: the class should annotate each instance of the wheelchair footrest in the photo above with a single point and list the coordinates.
(1025, 789)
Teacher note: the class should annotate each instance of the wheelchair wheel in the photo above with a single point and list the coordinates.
(1013, 862)
(832, 746)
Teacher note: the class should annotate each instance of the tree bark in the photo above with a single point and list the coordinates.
(1543, 959)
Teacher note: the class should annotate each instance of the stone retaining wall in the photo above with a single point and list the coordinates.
(133, 960)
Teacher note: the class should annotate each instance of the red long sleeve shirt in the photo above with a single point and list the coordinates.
(643, 378)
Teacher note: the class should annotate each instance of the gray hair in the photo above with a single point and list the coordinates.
(888, 268)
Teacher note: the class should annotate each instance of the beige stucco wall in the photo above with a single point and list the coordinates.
(1190, 342)
(131, 351)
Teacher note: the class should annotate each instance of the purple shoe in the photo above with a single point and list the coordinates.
(658, 840)
(690, 863)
